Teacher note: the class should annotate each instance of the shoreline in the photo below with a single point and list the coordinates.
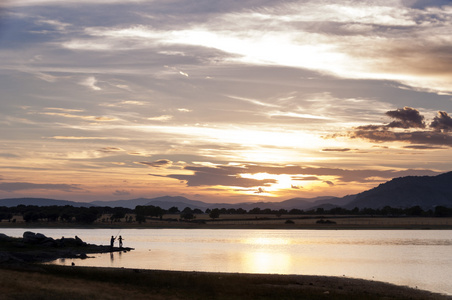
(238, 222)
(162, 225)
(161, 284)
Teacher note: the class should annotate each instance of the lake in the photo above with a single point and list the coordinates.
(415, 258)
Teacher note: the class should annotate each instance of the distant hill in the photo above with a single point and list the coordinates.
(40, 202)
(122, 203)
(164, 202)
(424, 191)
(403, 192)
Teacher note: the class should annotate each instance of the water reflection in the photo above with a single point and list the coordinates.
(266, 262)
(266, 241)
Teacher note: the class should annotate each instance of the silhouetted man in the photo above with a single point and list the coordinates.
(120, 241)
(112, 241)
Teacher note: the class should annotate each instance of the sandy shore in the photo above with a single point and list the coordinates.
(57, 282)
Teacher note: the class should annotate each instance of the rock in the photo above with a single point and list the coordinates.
(38, 238)
(32, 238)
(5, 238)
(6, 257)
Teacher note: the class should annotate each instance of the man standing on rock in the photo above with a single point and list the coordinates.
(112, 241)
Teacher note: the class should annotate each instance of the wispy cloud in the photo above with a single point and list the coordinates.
(91, 82)
(20, 186)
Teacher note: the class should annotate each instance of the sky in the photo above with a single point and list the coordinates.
(221, 101)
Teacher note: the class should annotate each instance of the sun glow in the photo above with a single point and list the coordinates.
(283, 181)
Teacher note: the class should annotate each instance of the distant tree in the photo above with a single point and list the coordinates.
(295, 211)
(320, 210)
(31, 216)
(266, 211)
(215, 213)
(232, 211)
(255, 210)
(187, 210)
(442, 211)
(173, 210)
(140, 218)
(118, 214)
(188, 215)
(86, 216)
(240, 211)
(415, 211)
(197, 211)
(150, 210)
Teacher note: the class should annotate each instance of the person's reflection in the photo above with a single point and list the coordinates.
(112, 257)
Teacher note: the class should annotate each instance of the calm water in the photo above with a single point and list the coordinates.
(416, 258)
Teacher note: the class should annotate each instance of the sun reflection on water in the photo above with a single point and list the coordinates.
(266, 256)
(266, 262)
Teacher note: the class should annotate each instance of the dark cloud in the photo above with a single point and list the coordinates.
(110, 149)
(417, 137)
(259, 191)
(161, 163)
(406, 117)
(121, 193)
(442, 122)
(230, 175)
(336, 149)
(421, 147)
(305, 178)
(19, 186)
(422, 4)
(222, 175)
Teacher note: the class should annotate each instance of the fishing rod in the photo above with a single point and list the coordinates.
(118, 233)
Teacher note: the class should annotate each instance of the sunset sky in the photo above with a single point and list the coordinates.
(221, 101)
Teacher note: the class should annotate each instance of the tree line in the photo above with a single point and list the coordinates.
(33, 213)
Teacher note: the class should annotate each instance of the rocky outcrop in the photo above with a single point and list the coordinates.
(36, 247)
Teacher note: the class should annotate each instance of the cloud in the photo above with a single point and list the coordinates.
(110, 149)
(421, 147)
(67, 115)
(121, 193)
(221, 175)
(442, 122)
(305, 178)
(330, 183)
(91, 82)
(259, 190)
(417, 137)
(83, 138)
(408, 119)
(230, 176)
(162, 118)
(19, 186)
(336, 150)
(161, 163)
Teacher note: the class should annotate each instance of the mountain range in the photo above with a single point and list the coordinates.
(424, 191)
